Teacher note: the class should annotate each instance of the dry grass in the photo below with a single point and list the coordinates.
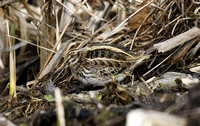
(43, 33)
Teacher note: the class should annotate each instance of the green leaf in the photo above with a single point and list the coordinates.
(49, 98)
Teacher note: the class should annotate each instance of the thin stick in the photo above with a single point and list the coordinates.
(59, 107)
(177, 40)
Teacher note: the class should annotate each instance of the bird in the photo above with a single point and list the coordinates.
(96, 64)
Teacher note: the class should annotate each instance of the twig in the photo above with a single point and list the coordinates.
(177, 40)
(59, 108)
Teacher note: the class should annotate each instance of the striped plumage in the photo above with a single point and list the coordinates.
(95, 64)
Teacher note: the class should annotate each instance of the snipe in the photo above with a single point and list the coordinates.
(97, 64)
